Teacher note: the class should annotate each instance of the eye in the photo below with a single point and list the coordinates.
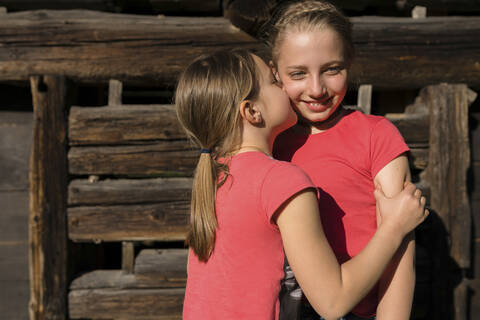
(296, 75)
(334, 70)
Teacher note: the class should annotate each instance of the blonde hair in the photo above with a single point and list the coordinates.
(207, 101)
(307, 16)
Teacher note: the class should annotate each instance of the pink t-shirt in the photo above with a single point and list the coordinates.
(342, 162)
(241, 280)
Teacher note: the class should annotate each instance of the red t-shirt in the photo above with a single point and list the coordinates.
(342, 162)
(241, 280)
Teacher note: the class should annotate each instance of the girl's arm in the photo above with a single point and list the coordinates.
(334, 290)
(397, 284)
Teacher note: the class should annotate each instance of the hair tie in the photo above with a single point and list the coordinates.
(205, 151)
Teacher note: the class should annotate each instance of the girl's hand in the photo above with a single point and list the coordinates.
(403, 212)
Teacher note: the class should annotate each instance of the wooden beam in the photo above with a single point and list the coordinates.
(96, 47)
(446, 173)
(127, 124)
(48, 190)
(115, 90)
(162, 221)
(128, 191)
(167, 158)
(141, 304)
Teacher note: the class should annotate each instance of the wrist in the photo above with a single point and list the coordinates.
(392, 233)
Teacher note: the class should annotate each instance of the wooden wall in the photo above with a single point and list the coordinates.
(15, 144)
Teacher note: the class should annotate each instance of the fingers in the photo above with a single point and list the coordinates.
(378, 192)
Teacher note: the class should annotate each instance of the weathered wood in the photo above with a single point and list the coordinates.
(414, 127)
(364, 99)
(154, 268)
(15, 145)
(94, 46)
(212, 7)
(475, 175)
(128, 191)
(128, 256)
(48, 191)
(418, 158)
(115, 89)
(163, 221)
(142, 304)
(128, 124)
(99, 46)
(449, 161)
(144, 6)
(164, 157)
(162, 267)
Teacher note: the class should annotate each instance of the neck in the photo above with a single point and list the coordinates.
(331, 121)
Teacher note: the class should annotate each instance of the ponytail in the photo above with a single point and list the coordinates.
(203, 220)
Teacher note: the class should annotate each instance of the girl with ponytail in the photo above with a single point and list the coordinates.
(249, 211)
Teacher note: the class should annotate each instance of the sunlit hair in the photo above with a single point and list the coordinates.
(309, 16)
(207, 100)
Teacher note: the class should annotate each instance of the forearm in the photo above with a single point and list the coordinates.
(397, 284)
(361, 273)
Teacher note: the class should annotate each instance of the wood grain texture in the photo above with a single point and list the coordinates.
(163, 221)
(142, 304)
(449, 160)
(91, 46)
(48, 191)
(162, 268)
(128, 191)
(127, 124)
(174, 157)
(414, 127)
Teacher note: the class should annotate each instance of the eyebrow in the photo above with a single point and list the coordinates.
(324, 65)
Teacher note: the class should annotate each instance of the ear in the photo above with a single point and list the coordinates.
(274, 70)
(250, 112)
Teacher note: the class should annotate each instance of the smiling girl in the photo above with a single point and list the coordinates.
(345, 152)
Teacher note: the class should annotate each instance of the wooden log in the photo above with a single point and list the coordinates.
(414, 127)
(127, 124)
(211, 7)
(89, 46)
(154, 268)
(142, 304)
(94, 46)
(21, 5)
(162, 267)
(48, 194)
(449, 160)
(128, 191)
(162, 221)
(163, 158)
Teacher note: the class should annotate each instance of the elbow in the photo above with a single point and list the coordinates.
(333, 310)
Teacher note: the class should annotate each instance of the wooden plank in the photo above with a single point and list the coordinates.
(414, 127)
(128, 191)
(163, 221)
(94, 46)
(142, 304)
(15, 144)
(128, 124)
(364, 98)
(128, 256)
(115, 89)
(48, 194)
(162, 267)
(449, 160)
(154, 268)
(161, 158)
(88, 46)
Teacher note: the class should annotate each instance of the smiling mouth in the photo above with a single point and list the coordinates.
(319, 106)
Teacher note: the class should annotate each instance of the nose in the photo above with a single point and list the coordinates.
(316, 87)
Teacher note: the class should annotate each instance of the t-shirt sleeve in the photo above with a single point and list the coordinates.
(282, 182)
(386, 144)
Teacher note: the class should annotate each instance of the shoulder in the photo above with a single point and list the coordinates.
(283, 173)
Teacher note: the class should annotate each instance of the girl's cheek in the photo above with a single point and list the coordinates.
(293, 89)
